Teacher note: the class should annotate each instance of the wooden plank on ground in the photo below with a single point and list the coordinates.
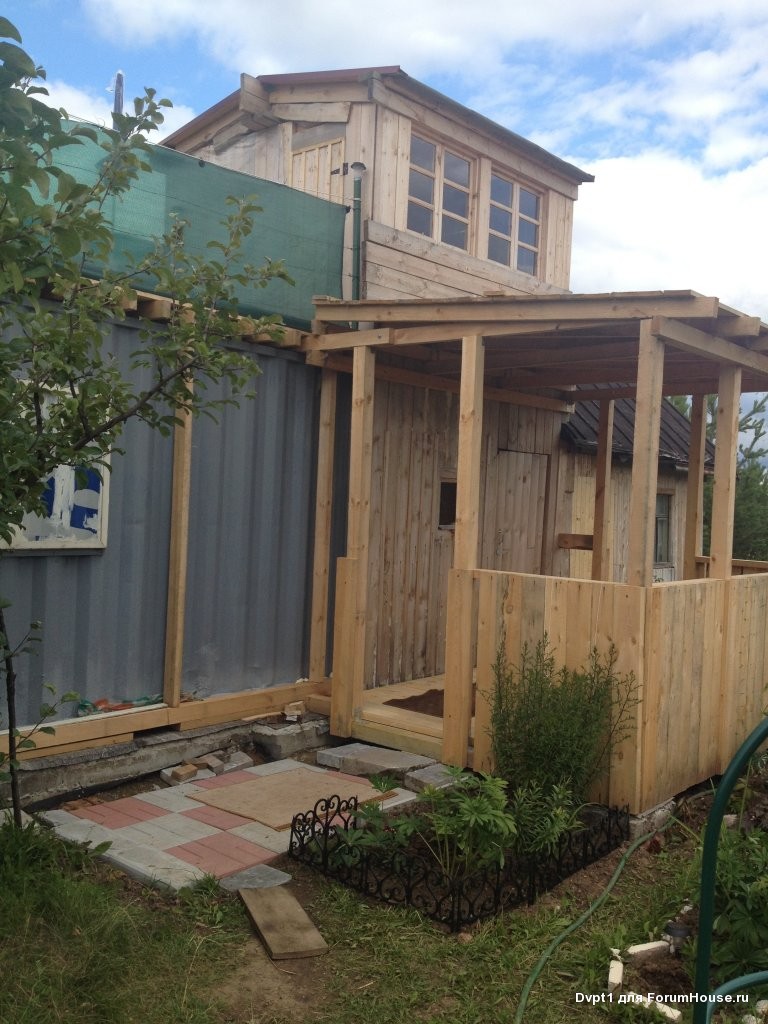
(282, 923)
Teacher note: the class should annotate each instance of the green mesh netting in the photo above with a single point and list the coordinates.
(305, 232)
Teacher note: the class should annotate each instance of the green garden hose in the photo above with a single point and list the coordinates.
(532, 977)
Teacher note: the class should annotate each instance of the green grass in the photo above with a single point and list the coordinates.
(80, 945)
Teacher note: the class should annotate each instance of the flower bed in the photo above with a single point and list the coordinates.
(411, 878)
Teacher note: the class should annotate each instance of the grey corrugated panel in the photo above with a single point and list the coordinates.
(103, 613)
(248, 584)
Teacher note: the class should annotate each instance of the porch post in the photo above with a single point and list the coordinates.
(323, 512)
(602, 539)
(724, 491)
(175, 616)
(352, 585)
(645, 458)
(694, 494)
(457, 712)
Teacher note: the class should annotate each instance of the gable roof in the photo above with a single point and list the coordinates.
(581, 431)
(392, 77)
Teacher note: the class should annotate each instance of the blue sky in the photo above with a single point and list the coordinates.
(665, 103)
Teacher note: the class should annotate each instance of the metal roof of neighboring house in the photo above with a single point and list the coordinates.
(581, 431)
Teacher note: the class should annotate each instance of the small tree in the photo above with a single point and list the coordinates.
(63, 397)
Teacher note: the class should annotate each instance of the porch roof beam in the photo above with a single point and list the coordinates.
(691, 339)
(562, 308)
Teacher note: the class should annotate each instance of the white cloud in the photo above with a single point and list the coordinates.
(657, 222)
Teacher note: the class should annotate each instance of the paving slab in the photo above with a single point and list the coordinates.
(364, 759)
(260, 877)
(435, 775)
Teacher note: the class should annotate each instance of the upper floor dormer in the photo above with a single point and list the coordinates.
(443, 202)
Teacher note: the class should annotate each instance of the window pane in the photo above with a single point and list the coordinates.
(501, 191)
(454, 232)
(455, 201)
(528, 233)
(420, 186)
(501, 220)
(498, 249)
(422, 153)
(529, 204)
(661, 551)
(419, 219)
(526, 260)
(457, 169)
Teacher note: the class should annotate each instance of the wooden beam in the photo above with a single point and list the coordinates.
(457, 699)
(691, 339)
(694, 495)
(312, 113)
(432, 333)
(467, 534)
(562, 308)
(177, 559)
(602, 551)
(397, 375)
(724, 491)
(645, 458)
(323, 513)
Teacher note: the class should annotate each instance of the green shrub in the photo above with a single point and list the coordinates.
(552, 727)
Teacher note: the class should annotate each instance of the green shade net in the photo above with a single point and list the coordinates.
(305, 232)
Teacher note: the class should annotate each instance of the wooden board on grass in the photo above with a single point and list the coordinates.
(282, 923)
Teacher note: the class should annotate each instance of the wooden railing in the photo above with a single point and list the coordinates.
(739, 566)
(697, 648)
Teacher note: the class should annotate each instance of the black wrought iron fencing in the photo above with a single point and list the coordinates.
(410, 879)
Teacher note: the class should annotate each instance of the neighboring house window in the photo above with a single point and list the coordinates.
(514, 225)
(439, 193)
(662, 545)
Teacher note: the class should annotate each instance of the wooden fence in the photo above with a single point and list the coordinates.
(697, 649)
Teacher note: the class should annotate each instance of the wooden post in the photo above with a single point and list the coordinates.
(466, 538)
(323, 512)
(350, 620)
(694, 496)
(724, 491)
(645, 458)
(602, 543)
(458, 646)
(177, 559)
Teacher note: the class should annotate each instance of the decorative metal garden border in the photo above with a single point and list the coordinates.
(408, 879)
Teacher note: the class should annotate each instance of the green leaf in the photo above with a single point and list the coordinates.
(9, 30)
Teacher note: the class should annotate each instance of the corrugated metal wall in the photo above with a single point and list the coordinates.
(252, 504)
(250, 567)
(103, 612)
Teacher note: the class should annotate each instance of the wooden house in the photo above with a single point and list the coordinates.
(448, 369)
(443, 202)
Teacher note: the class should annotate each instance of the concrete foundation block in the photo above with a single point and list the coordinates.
(435, 775)
(365, 759)
(260, 877)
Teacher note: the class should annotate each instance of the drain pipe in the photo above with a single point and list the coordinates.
(358, 169)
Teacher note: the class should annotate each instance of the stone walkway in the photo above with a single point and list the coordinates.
(166, 837)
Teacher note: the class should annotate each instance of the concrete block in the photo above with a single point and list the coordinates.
(402, 796)
(648, 950)
(364, 759)
(282, 740)
(435, 775)
(237, 761)
(652, 819)
(184, 772)
(260, 877)
(615, 975)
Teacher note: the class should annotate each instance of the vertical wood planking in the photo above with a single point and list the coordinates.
(323, 510)
(177, 559)
(467, 536)
(457, 710)
(645, 461)
(490, 605)
(726, 451)
(602, 546)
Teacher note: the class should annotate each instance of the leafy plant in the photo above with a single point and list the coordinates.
(556, 727)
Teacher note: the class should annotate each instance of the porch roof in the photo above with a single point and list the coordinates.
(568, 347)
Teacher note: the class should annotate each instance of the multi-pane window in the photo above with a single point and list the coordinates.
(513, 225)
(439, 193)
(662, 547)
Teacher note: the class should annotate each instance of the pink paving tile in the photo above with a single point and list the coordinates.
(222, 855)
(216, 817)
(228, 779)
(120, 813)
